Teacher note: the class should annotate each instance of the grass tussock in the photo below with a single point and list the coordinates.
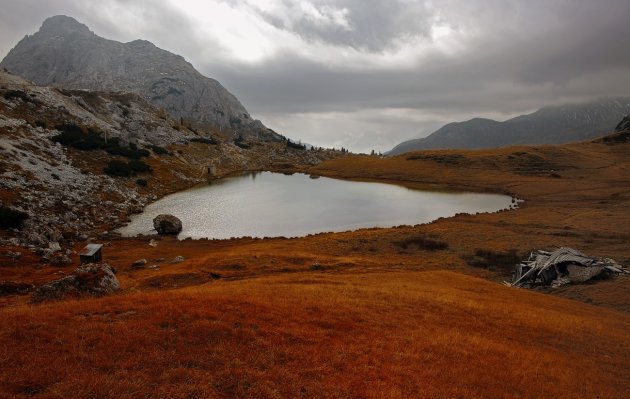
(90, 139)
(204, 140)
(493, 260)
(422, 242)
(119, 168)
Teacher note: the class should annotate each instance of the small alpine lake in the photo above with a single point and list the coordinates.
(269, 204)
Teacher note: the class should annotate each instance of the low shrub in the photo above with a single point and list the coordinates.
(204, 140)
(240, 142)
(70, 134)
(490, 259)
(92, 141)
(74, 136)
(17, 94)
(137, 165)
(11, 218)
(118, 168)
(157, 150)
(127, 169)
(422, 242)
(142, 182)
(128, 152)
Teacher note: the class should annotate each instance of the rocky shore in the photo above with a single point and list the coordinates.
(65, 189)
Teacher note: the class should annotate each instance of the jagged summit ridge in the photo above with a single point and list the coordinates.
(65, 53)
(62, 24)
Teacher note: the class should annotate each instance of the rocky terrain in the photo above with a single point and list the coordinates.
(65, 53)
(79, 162)
(624, 125)
(548, 125)
(88, 279)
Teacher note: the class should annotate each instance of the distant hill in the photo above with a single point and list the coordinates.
(65, 53)
(548, 125)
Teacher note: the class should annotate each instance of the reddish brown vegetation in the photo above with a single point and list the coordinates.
(354, 314)
(380, 335)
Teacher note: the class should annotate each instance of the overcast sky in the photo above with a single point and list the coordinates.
(369, 74)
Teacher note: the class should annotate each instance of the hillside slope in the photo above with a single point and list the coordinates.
(65, 53)
(548, 125)
(56, 146)
(314, 335)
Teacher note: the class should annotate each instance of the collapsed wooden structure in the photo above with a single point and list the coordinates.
(562, 266)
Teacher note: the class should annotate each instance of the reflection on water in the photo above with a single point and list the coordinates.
(272, 204)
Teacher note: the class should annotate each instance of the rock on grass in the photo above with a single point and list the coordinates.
(93, 279)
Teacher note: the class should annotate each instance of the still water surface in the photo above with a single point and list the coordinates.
(271, 204)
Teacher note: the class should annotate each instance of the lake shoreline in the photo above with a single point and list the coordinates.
(335, 205)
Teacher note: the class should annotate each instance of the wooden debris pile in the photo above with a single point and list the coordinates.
(562, 266)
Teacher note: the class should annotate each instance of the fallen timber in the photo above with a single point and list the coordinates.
(560, 267)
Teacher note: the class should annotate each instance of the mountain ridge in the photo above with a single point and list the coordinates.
(66, 53)
(556, 124)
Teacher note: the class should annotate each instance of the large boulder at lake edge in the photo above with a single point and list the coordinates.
(93, 279)
(167, 224)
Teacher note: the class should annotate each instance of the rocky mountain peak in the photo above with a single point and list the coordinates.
(141, 43)
(63, 25)
(66, 54)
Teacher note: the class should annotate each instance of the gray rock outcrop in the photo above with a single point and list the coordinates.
(65, 53)
(624, 125)
(93, 279)
(167, 224)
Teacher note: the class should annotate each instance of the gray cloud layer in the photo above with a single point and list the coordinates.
(372, 25)
(368, 74)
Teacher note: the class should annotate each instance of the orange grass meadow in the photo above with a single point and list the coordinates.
(432, 334)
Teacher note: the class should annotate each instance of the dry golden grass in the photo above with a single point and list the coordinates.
(376, 335)
(576, 195)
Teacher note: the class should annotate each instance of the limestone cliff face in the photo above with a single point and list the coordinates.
(65, 53)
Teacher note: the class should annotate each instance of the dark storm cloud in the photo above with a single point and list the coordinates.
(357, 72)
(591, 40)
(582, 55)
